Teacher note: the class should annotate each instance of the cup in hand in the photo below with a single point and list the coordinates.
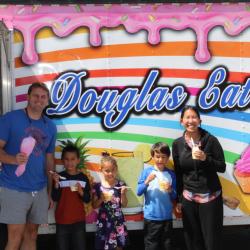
(73, 188)
(195, 148)
(163, 185)
(107, 196)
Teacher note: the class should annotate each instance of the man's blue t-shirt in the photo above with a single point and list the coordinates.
(157, 203)
(14, 127)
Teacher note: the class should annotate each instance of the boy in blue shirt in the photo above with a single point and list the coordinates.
(158, 184)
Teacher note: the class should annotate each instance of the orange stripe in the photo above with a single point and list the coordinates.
(35, 78)
(93, 166)
(119, 50)
(229, 49)
(226, 49)
(169, 73)
(92, 151)
(134, 217)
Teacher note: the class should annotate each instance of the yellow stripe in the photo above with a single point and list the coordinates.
(99, 151)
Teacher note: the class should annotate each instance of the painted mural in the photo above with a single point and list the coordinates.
(120, 74)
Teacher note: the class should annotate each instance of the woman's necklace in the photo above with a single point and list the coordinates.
(196, 140)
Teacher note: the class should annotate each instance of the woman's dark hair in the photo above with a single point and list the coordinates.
(160, 148)
(190, 108)
(70, 149)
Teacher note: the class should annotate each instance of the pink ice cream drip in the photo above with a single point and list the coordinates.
(27, 146)
(63, 20)
(243, 165)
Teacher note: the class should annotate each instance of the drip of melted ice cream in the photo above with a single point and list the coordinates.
(63, 20)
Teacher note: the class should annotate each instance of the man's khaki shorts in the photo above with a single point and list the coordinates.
(23, 207)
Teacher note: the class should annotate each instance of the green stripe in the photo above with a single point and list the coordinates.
(115, 136)
(229, 156)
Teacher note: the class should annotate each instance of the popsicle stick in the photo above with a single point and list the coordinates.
(192, 142)
(60, 177)
(122, 186)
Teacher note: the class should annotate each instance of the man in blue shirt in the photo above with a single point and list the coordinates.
(24, 199)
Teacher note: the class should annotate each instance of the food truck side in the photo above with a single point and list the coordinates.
(121, 88)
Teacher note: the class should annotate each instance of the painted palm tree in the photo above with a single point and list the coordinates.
(81, 145)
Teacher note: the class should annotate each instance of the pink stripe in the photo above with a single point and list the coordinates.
(21, 98)
(110, 87)
(193, 91)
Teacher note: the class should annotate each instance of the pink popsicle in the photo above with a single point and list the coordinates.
(27, 146)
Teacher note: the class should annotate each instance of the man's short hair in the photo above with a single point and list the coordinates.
(36, 85)
(160, 148)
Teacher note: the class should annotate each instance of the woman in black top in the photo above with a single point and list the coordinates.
(198, 156)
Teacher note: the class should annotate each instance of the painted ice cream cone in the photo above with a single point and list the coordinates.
(27, 146)
(242, 171)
